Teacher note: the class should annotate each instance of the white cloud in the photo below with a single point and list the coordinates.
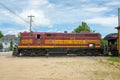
(113, 3)
(39, 18)
(59, 12)
(4, 12)
(32, 8)
(96, 9)
(56, 14)
(75, 14)
(13, 31)
(38, 4)
(104, 21)
(4, 15)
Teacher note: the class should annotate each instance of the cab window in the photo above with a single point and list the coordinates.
(38, 36)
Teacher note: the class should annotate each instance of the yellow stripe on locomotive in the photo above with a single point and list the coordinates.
(26, 41)
(71, 41)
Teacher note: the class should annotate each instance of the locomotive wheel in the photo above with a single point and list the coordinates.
(80, 53)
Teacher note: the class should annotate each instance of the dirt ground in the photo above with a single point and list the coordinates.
(57, 68)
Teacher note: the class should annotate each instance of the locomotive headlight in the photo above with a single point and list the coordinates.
(91, 46)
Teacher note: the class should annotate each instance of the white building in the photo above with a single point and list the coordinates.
(6, 40)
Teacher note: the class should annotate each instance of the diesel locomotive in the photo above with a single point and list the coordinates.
(45, 43)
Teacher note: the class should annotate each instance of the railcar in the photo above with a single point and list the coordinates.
(45, 43)
(112, 39)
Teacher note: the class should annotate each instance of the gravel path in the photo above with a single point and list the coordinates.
(57, 68)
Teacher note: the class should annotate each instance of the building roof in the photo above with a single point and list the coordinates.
(8, 37)
(111, 36)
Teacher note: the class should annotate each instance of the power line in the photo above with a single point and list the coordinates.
(13, 12)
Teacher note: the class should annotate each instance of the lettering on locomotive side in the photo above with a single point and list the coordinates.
(71, 41)
(94, 41)
(26, 41)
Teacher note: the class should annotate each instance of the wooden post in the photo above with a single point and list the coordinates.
(118, 40)
(30, 21)
(118, 28)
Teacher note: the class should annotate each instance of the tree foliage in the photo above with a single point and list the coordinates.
(103, 42)
(1, 35)
(11, 46)
(83, 27)
(1, 46)
(18, 35)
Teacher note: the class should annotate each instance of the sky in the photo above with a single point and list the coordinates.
(58, 15)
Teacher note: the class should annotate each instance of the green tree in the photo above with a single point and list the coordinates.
(11, 46)
(83, 27)
(18, 35)
(1, 35)
(104, 42)
(1, 46)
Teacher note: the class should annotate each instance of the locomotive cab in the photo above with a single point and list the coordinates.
(30, 44)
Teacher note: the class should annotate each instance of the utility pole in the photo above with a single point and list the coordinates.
(31, 21)
(118, 31)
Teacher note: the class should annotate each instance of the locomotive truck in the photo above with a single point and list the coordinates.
(45, 43)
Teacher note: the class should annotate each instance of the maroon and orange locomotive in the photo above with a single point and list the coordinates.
(44, 43)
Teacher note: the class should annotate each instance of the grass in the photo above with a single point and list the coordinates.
(114, 59)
